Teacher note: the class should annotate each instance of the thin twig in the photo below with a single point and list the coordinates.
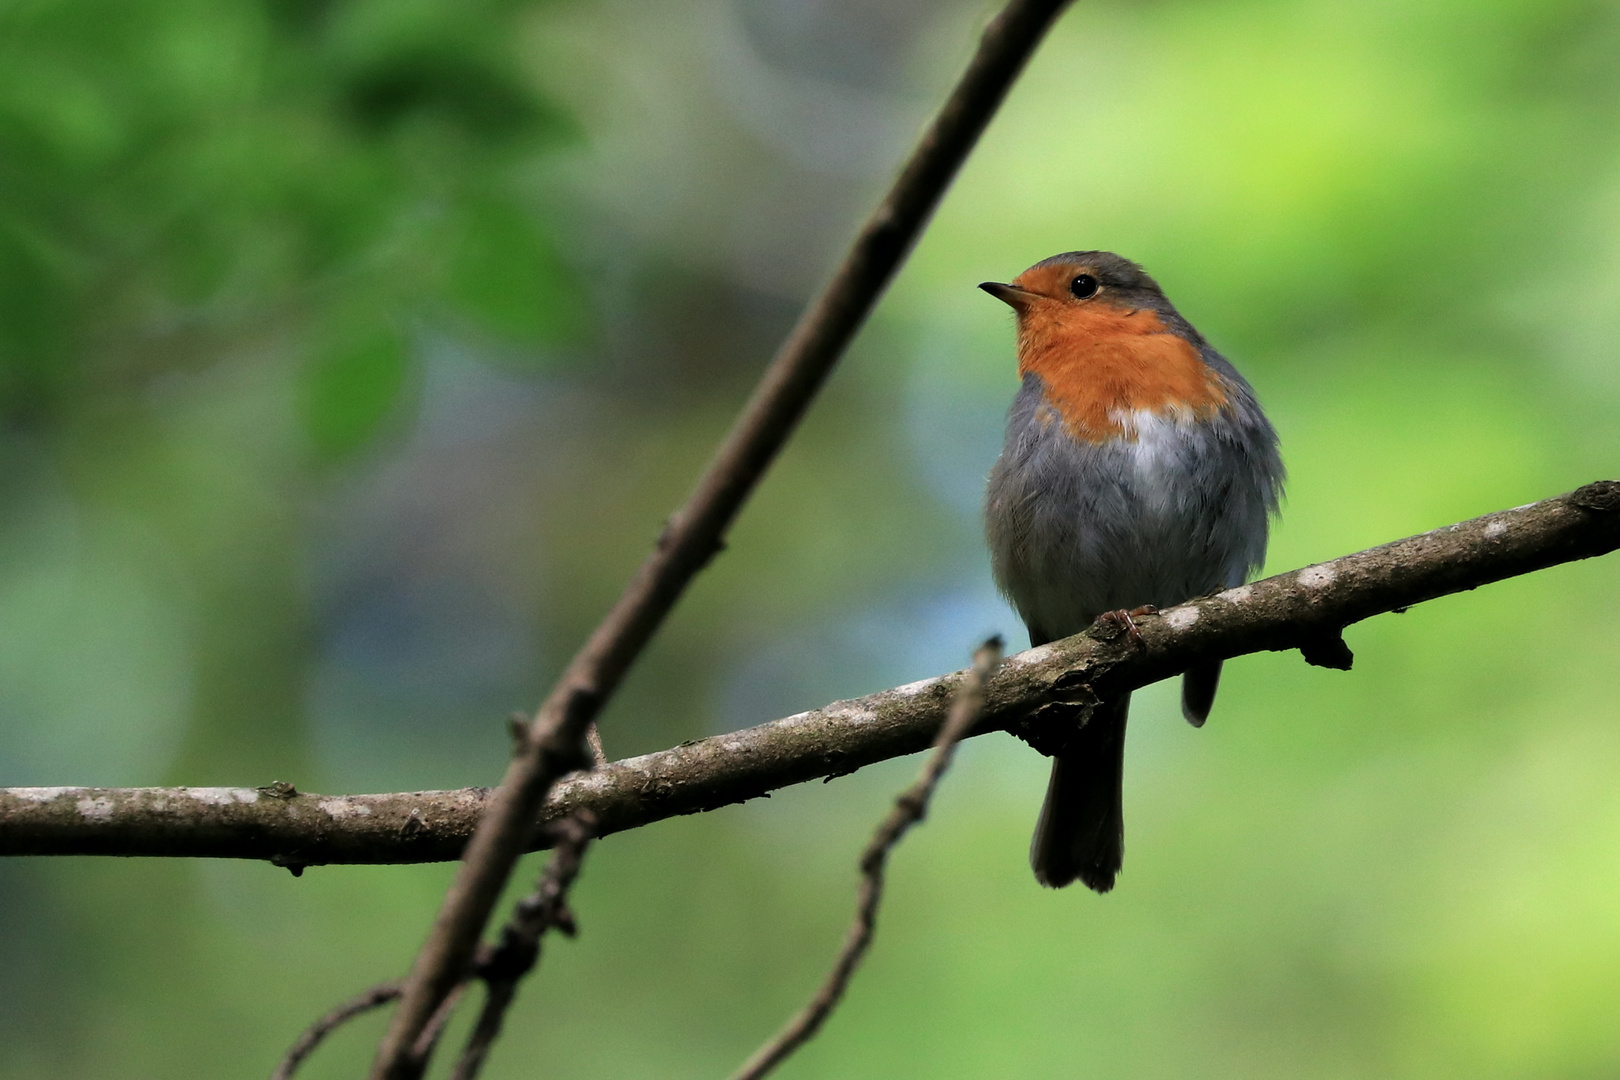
(500, 969)
(361, 1003)
(544, 909)
(692, 536)
(428, 1041)
(1297, 609)
(909, 808)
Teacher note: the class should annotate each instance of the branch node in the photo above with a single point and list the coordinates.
(580, 701)
(1051, 728)
(912, 804)
(291, 863)
(517, 726)
(1328, 650)
(413, 826)
(1602, 496)
(1074, 687)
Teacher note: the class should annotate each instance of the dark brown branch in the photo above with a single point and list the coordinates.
(552, 744)
(1300, 609)
(429, 1039)
(908, 810)
(514, 957)
(361, 1003)
(500, 967)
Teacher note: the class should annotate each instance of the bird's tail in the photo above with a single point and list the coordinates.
(1081, 833)
(1198, 688)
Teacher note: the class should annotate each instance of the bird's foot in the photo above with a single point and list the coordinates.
(1126, 620)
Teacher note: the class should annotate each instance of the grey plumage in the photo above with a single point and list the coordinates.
(1079, 528)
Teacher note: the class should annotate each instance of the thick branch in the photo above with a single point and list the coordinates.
(1302, 609)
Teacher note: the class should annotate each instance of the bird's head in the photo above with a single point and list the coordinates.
(1105, 342)
(1076, 282)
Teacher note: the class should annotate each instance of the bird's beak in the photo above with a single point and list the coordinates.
(1018, 298)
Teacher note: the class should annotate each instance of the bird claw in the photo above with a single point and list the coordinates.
(1125, 620)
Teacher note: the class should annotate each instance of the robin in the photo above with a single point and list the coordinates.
(1138, 472)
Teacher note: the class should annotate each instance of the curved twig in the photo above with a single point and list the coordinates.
(360, 1004)
(909, 809)
(518, 950)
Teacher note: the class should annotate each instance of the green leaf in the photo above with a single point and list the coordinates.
(504, 274)
(350, 390)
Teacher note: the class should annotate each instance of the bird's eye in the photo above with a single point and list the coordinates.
(1084, 287)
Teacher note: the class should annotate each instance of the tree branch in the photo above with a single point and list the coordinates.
(499, 967)
(1302, 609)
(553, 743)
(374, 998)
(909, 808)
(546, 908)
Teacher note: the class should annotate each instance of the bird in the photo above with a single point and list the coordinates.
(1138, 472)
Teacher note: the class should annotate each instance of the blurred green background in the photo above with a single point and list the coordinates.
(352, 352)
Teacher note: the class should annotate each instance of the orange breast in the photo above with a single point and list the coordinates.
(1101, 363)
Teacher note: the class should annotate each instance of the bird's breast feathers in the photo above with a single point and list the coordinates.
(1116, 373)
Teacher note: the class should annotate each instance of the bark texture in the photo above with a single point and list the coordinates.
(1037, 695)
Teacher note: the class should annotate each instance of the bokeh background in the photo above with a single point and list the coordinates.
(352, 352)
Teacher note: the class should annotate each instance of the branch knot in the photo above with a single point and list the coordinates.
(1602, 496)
